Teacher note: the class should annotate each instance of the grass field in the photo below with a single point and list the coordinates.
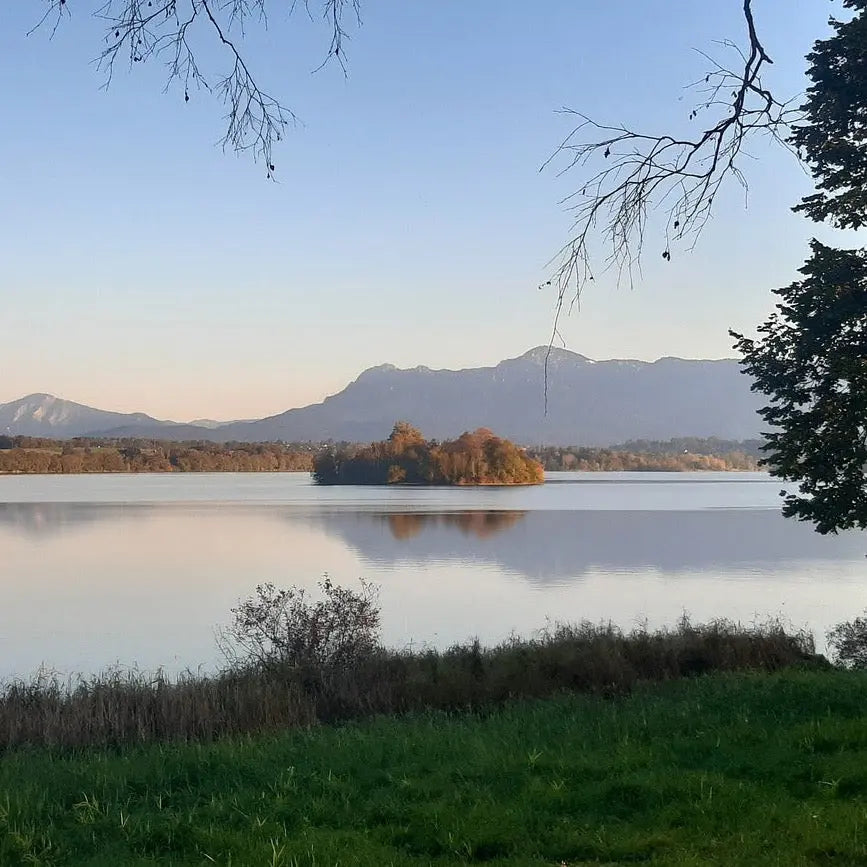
(727, 769)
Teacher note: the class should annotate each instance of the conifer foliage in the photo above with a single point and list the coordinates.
(811, 355)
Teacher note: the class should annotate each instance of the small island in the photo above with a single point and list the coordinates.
(406, 457)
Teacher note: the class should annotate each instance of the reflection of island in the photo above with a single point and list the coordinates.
(556, 545)
(405, 525)
(540, 545)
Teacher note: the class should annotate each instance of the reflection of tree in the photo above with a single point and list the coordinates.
(405, 525)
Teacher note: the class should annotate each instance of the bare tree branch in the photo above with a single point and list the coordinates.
(629, 174)
(147, 30)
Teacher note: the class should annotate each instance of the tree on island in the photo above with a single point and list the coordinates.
(477, 458)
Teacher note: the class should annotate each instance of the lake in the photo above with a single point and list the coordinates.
(141, 569)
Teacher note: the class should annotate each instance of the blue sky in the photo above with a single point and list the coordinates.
(141, 268)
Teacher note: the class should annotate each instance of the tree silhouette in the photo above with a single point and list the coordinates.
(811, 358)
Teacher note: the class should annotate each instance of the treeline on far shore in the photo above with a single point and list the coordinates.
(20, 454)
(615, 459)
(682, 454)
(24, 454)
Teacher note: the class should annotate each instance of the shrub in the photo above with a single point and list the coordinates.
(848, 642)
(275, 628)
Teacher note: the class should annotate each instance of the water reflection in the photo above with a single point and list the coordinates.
(549, 546)
(43, 520)
(539, 545)
(88, 583)
(481, 525)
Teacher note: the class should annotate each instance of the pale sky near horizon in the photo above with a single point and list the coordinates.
(141, 268)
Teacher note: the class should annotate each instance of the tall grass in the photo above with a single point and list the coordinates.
(732, 770)
(119, 707)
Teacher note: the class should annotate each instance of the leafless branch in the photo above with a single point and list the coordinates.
(334, 13)
(146, 30)
(54, 12)
(629, 174)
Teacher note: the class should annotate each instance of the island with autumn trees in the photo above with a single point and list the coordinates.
(406, 457)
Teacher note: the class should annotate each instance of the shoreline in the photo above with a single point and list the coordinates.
(720, 770)
(265, 688)
(176, 472)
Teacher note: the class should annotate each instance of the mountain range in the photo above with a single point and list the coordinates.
(586, 402)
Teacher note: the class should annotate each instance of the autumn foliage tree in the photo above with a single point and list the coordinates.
(22, 454)
(477, 458)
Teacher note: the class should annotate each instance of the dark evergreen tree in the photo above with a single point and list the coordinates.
(811, 361)
(811, 356)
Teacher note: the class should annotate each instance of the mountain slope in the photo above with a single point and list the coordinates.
(590, 403)
(43, 415)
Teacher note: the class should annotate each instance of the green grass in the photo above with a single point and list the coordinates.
(728, 769)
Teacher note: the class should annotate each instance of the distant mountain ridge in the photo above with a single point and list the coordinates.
(594, 403)
(44, 415)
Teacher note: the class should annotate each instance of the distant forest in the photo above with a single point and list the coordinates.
(695, 445)
(406, 457)
(677, 455)
(22, 454)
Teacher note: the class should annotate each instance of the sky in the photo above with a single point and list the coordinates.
(142, 268)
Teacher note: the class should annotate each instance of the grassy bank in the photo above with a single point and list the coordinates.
(749, 768)
(328, 667)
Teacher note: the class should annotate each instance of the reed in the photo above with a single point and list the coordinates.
(121, 707)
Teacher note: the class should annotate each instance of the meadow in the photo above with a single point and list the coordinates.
(744, 768)
(317, 745)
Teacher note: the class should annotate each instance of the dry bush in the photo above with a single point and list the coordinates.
(276, 628)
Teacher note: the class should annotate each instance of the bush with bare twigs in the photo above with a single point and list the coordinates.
(277, 628)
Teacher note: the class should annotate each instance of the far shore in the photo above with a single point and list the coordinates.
(398, 485)
(22, 455)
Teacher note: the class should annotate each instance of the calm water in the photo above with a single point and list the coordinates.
(96, 570)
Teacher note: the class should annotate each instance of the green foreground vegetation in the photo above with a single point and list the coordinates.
(749, 768)
(316, 745)
(293, 663)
